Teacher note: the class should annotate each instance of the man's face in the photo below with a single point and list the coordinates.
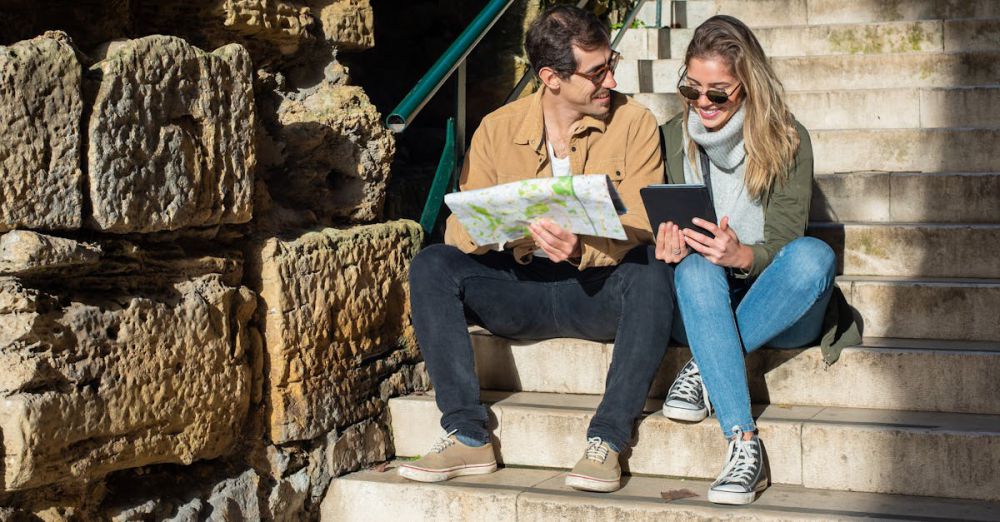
(581, 93)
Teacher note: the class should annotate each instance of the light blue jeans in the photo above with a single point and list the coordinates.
(723, 318)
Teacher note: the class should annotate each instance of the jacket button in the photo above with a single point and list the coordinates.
(618, 173)
(572, 149)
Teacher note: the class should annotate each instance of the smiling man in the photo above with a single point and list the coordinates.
(553, 283)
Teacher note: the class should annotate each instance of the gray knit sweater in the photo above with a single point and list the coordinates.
(728, 162)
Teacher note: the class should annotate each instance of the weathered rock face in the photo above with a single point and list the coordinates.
(348, 24)
(23, 252)
(40, 109)
(333, 301)
(96, 384)
(284, 24)
(171, 137)
(337, 155)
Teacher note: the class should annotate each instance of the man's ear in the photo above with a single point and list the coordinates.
(549, 78)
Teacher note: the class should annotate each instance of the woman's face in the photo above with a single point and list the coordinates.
(712, 73)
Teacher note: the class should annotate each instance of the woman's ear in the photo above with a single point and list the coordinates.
(550, 78)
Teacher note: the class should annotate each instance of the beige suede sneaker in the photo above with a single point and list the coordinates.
(598, 470)
(450, 458)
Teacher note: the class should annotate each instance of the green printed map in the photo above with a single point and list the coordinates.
(586, 204)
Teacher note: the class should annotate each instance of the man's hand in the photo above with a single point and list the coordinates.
(557, 243)
(724, 249)
(670, 245)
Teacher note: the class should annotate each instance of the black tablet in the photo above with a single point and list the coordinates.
(678, 203)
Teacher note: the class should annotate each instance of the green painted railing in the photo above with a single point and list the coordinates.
(452, 58)
(442, 179)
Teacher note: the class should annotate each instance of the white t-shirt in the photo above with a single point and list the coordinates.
(560, 167)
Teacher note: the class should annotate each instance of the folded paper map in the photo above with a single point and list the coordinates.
(585, 204)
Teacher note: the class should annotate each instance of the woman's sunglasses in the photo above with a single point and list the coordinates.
(714, 95)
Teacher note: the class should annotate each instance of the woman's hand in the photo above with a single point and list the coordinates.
(558, 243)
(670, 245)
(724, 249)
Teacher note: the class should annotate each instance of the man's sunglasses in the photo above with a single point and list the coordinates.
(597, 77)
(713, 95)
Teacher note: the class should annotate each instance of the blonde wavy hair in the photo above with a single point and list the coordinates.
(769, 133)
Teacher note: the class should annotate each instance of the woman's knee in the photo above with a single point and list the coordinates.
(810, 259)
(694, 271)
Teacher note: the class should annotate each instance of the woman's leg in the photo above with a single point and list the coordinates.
(786, 304)
(706, 310)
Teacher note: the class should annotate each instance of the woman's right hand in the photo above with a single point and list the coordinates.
(670, 244)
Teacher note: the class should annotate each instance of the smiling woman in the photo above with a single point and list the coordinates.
(758, 281)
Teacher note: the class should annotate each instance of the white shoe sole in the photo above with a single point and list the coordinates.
(423, 475)
(736, 499)
(684, 414)
(591, 484)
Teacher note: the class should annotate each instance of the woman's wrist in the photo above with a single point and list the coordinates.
(744, 258)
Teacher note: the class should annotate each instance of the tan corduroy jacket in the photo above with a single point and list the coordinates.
(509, 146)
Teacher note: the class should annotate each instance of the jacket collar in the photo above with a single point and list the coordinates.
(532, 129)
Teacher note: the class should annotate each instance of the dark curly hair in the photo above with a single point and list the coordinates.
(553, 34)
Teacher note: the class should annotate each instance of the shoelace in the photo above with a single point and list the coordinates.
(443, 443)
(741, 462)
(688, 384)
(597, 450)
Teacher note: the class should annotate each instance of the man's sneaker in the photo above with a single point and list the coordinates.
(450, 458)
(687, 399)
(598, 470)
(744, 474)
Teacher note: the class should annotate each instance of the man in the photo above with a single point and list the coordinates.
(553, 283)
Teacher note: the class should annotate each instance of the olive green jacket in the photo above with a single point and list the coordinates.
(786, 216)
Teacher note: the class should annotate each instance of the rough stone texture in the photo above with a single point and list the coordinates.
(40, 110)
(23, 252)
(171, 137)
(337, 155)
(336, 313)
(284, 24)
(97, 384)
(347, 24)
(272, 31)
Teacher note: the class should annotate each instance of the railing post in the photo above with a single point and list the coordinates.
(442, 179)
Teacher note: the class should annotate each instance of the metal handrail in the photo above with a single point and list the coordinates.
(454, 56)
(446, 166)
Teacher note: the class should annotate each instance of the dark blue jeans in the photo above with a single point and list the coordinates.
(631, 303)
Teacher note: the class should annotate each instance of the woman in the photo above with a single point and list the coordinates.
(758, 281)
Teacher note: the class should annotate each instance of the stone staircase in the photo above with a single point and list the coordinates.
(902, 100)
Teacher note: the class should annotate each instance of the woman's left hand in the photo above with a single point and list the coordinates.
(724, 249)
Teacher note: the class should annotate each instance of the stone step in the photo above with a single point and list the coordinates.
(964, 107)
(877, 451)
(907, 197)
(838, 72)
(895, 374)
(960, 309)
(912, 250)
(527, 494)
(815, 12)
(905, 150)
(808, 40)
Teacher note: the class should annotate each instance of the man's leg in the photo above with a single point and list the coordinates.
(439, 275)
(644, 298)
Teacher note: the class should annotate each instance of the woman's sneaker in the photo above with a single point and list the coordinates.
(743, 476)
(687, 399)
(598, 470)
(450, 458)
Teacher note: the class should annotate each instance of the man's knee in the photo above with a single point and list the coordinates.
(434, 261)
(649, 278)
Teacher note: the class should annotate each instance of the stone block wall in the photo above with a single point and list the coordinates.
(202, 312)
